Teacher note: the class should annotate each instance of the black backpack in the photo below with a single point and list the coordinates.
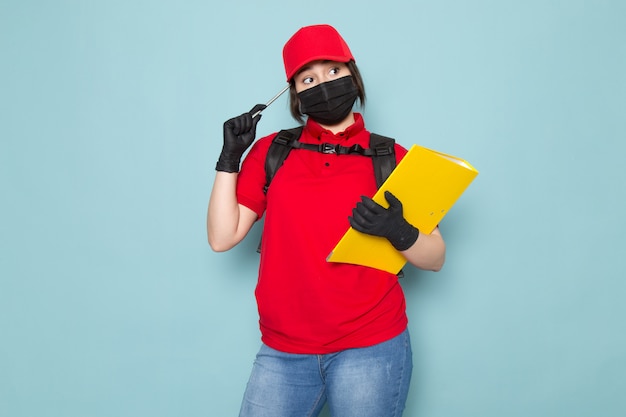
(381, 151)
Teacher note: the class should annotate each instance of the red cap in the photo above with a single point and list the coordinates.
(312, 43)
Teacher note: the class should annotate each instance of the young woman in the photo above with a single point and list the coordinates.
(331, 332)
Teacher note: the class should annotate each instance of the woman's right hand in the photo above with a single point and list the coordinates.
(239, 133)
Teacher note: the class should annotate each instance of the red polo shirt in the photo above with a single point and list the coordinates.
(308, 305)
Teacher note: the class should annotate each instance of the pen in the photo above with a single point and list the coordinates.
(272, 100)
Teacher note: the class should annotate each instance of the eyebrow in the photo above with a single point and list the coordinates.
(308, 67)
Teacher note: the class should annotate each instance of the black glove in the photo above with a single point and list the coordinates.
(373, 219)
(239, 133)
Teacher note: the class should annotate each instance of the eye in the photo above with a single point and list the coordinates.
(334, 71)
(307, 80)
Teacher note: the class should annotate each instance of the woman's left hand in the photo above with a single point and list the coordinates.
(373, 219)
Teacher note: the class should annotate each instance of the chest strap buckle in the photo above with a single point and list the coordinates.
(328, 148)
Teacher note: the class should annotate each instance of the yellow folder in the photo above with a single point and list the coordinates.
(428, 183)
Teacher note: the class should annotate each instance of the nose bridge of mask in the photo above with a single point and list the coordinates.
(327, 89)
(334, 88)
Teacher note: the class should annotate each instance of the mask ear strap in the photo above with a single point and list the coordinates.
(300, 107)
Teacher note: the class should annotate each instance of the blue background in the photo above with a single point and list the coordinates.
(111, 302)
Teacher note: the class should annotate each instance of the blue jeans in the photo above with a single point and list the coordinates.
(364, 382)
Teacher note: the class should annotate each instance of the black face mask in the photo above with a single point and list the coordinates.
(330, 102)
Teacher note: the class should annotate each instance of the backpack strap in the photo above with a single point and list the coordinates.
(384, 157)
(281, 145)
(384, 160)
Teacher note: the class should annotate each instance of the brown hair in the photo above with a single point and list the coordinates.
(294, 101)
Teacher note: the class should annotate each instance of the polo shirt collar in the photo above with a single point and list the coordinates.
(316, 131)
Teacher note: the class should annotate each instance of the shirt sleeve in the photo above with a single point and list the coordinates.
(401, 151)
(251, 178)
